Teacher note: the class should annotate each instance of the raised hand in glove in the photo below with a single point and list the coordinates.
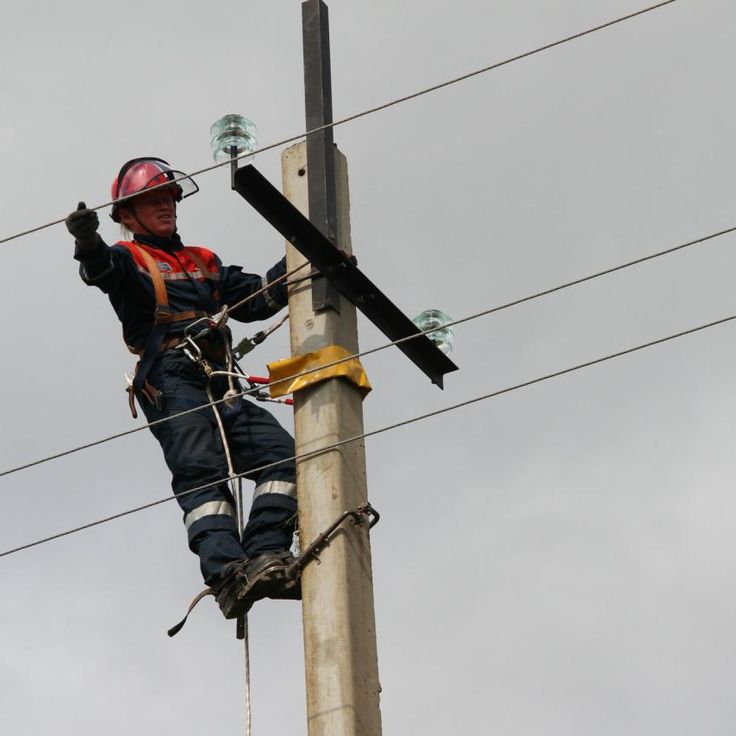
(83, 224)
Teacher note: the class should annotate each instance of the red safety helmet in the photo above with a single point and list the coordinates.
(140, 174)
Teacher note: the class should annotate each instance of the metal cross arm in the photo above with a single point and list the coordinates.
(340, 271)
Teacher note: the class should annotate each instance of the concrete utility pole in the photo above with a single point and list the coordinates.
(339, 620)
(313, 215)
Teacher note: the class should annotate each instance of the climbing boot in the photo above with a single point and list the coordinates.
(246, 582)
(228, 589)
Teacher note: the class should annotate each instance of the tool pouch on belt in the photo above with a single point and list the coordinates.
(149, 391)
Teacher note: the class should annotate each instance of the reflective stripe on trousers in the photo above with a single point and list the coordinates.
(282, 487)
(211, 508)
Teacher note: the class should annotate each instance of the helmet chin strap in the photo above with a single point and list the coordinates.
(131, 208)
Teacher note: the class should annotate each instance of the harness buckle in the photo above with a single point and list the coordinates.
(191, 349)
(206, 338)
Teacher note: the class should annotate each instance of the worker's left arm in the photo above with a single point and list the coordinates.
(236, 285)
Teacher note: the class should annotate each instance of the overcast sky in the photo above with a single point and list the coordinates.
(556, 561)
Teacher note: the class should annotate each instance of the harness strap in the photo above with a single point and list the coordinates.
(174, 630)
(165, 317)
(208, 298)
(168, 343)
(162, 315)
(159, 287)
(199, 263)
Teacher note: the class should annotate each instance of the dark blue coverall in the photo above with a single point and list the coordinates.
(191, 443)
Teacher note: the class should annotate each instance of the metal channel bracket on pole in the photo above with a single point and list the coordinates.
(320, 145)
(340, 271)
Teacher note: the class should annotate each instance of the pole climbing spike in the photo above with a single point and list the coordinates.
(284, 583)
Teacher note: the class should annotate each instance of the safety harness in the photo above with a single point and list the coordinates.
(163, 316)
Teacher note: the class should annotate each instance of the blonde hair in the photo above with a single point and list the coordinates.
(125, 231)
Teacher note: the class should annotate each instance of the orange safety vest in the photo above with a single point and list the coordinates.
(163, 316)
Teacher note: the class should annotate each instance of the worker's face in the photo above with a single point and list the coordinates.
(151, 212)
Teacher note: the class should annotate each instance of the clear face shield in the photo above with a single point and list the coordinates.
(141, 174)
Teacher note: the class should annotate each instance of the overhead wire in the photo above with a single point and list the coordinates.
(370, 351)
(430, 414)
(369, 111)
(335, 445)
(340, 122)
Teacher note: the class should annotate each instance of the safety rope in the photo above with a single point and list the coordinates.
(369, 111)
(266, 287)
(248, 700)
(236, 491)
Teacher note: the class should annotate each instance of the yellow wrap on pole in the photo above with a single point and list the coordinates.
(283, 369)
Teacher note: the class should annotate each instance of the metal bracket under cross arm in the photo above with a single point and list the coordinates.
(340, 271)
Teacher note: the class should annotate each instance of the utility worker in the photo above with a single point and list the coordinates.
(158, 287)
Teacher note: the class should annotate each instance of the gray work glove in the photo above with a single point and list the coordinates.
(83, 224)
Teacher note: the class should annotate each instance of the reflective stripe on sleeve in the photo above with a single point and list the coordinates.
(284, 487)
(211, 508)
(269, 299)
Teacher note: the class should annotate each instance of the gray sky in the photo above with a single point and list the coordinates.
(556, 561)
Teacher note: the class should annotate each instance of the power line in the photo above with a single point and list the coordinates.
(371, 110)
(372, 433)
(486, 312)
(560, 287)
